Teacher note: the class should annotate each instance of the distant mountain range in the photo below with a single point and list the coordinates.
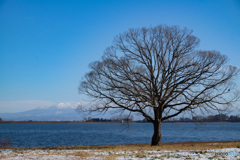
(53, 113)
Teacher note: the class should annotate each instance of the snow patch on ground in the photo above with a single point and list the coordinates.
(226, 153)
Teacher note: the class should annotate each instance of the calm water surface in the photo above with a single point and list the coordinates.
(73, 134)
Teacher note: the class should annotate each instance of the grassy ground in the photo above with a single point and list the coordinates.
(162, 146)
(187, 150)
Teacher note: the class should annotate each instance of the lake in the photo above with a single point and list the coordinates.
(73, 134)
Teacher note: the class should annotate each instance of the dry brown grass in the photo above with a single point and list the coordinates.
(82, 154)
(140, 147)
(170, 146)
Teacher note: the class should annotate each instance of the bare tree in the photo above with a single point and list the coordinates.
(158, 73)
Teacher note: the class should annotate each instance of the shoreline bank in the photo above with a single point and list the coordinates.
(168, 146)
(229, 150)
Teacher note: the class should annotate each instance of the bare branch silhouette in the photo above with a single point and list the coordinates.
(158, 73)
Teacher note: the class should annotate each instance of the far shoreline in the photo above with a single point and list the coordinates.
(30, 121)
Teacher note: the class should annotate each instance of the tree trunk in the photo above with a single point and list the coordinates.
(157, 133)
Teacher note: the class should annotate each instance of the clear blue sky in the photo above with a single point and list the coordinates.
(46, 45)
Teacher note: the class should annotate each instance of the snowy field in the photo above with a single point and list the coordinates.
(226, 153)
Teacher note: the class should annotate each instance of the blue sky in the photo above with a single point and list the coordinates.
(46, 45)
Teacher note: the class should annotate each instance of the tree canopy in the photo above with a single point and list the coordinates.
(159, 73)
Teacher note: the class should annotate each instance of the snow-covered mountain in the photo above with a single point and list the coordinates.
(53, 113)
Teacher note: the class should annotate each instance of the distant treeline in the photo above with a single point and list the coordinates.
(119, 119)
(129, 119)
(211, 118)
